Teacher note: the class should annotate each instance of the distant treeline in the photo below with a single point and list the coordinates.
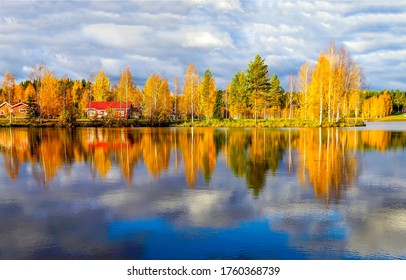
(326, 92)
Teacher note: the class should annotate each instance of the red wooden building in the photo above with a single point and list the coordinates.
(100, 109)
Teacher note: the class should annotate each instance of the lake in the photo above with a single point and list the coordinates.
(203, 193)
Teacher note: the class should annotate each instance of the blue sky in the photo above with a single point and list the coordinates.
(79, 38)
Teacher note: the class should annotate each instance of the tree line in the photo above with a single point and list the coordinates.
(327, 92)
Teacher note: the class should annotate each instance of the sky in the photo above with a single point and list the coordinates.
(79, 38)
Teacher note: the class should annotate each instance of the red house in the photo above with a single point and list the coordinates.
(4, 109)
(18, 110)
(97, 109)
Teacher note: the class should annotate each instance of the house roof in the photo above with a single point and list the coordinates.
(4, 104)
(12, 104)
(19, 104)
(104, 105)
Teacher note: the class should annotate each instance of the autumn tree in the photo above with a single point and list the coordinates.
(84, 94)
(176, 96)
(304, 79)
(165, 101)
(65, 90)
(291, 89)
(136, 97)
(30, 91)
(157, 103)
(207, 94)
(8, 87)
(189, 106)
(51, 104)
(319, 87)
(377, 106)
(258, 84)
(37, 75)
(19, 93)
(125, 88)
(238, 96)
(333, 90)
(101, 87)
(76, 92)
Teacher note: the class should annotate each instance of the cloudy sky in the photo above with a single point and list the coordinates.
(79, 38)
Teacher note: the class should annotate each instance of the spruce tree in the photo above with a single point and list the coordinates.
(276, 93)
(258, 84)
(217, 106)
(32, 111)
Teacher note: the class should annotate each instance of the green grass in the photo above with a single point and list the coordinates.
(398, 117)
(272, 123)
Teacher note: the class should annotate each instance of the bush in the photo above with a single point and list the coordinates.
(68, 118)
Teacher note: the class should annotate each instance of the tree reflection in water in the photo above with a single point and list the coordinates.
(324, 158)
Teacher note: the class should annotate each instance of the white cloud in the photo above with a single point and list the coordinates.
(63, 58)
(118, 36)
(79, 37)
(219, 5)
(10, 20)
(207, 39)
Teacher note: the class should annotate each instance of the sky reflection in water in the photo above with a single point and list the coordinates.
(174, 193)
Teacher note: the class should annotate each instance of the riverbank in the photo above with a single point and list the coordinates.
(271, 123)
(88, 123)
(398, 117)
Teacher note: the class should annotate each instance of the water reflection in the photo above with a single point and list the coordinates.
(324, 158)
(202, 193)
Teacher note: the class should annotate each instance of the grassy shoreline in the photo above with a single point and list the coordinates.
(398, 117)
(270, 123)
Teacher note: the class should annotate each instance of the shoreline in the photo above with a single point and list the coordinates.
(248, 123)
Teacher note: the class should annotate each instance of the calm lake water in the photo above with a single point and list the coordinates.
(203, 193)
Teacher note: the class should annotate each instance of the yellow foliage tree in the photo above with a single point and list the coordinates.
(304, 79)
(377, 106)
(238, 98)
(207, 94)
(125, 87)
(77, 92)
(318, 89)
(333, 91)
(157, 101)
(51, 102)
(8, 87)
(189, 105)
(19, 93)
(101, 87)
(30, 91)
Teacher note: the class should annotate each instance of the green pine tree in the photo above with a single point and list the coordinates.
(217, 105)
(32, 110)
(276, 94)
(258, 84)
